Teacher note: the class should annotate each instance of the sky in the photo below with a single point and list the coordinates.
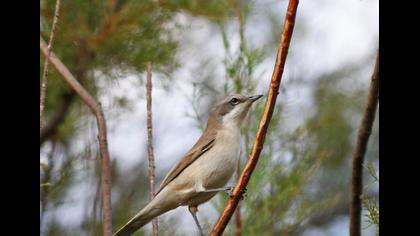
(328, 33)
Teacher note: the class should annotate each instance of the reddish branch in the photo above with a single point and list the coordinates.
(45, 73)
(360, 150)
(96, 109)
(233, 202)
(150, 155)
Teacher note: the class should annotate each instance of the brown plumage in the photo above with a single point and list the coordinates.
(206, 167)
(204, 144)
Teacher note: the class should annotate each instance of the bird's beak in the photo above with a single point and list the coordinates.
(255, 98)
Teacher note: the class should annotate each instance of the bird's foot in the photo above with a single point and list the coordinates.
(242, 194)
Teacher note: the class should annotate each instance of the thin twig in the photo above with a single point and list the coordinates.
(150, 155)
(96, 199)
(45, 74)
(265, 120)
(96, 109)
(58, 117)
(360, 150)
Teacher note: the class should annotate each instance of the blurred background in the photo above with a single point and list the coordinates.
(201, 51)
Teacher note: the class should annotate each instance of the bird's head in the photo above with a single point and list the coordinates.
(232, 109)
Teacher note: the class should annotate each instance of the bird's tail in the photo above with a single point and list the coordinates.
(152, 210)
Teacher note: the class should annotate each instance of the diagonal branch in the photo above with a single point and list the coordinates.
(150, 155)
(233, 202)
(96, 109)
(360, 150)
(45, 73)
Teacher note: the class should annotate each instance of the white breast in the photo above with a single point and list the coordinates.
(228, 142)
(211, 170)
(218, 164)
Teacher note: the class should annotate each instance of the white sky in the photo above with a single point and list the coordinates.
(336, 32)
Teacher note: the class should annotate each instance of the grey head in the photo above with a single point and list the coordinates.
(231, 110)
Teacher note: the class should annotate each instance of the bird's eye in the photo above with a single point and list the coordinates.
(234, 101)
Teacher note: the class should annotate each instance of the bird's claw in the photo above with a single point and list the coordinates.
(242, 194)
(230, 191)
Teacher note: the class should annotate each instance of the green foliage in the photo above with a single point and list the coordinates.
(276, 186)
(292, 184)
(372, 171)
(330, 125)
(103, 40)
(103, 37)
(240, 64)
(369, 203)
(100, 42)
(302, 172)
(373, 211)
(215, 10)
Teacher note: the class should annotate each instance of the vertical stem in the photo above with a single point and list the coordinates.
(96, 199)
(45, 73)
(360, 150)
(150, 155)
(96, 110)
(105, 173)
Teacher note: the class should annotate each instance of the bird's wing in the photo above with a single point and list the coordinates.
(205, 143)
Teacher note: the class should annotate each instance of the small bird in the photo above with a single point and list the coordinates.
(204, 170)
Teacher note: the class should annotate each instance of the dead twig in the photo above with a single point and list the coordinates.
(85, 55)
(265, 120)
(45, 73)
(150, 155)
(96, 109)
(360, 150)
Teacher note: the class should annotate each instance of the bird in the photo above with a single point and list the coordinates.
(204, 170)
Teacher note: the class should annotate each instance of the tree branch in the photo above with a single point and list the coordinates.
(45, 73)
(360, 150)
(150, 155)
(233, 202)
(96, 109)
